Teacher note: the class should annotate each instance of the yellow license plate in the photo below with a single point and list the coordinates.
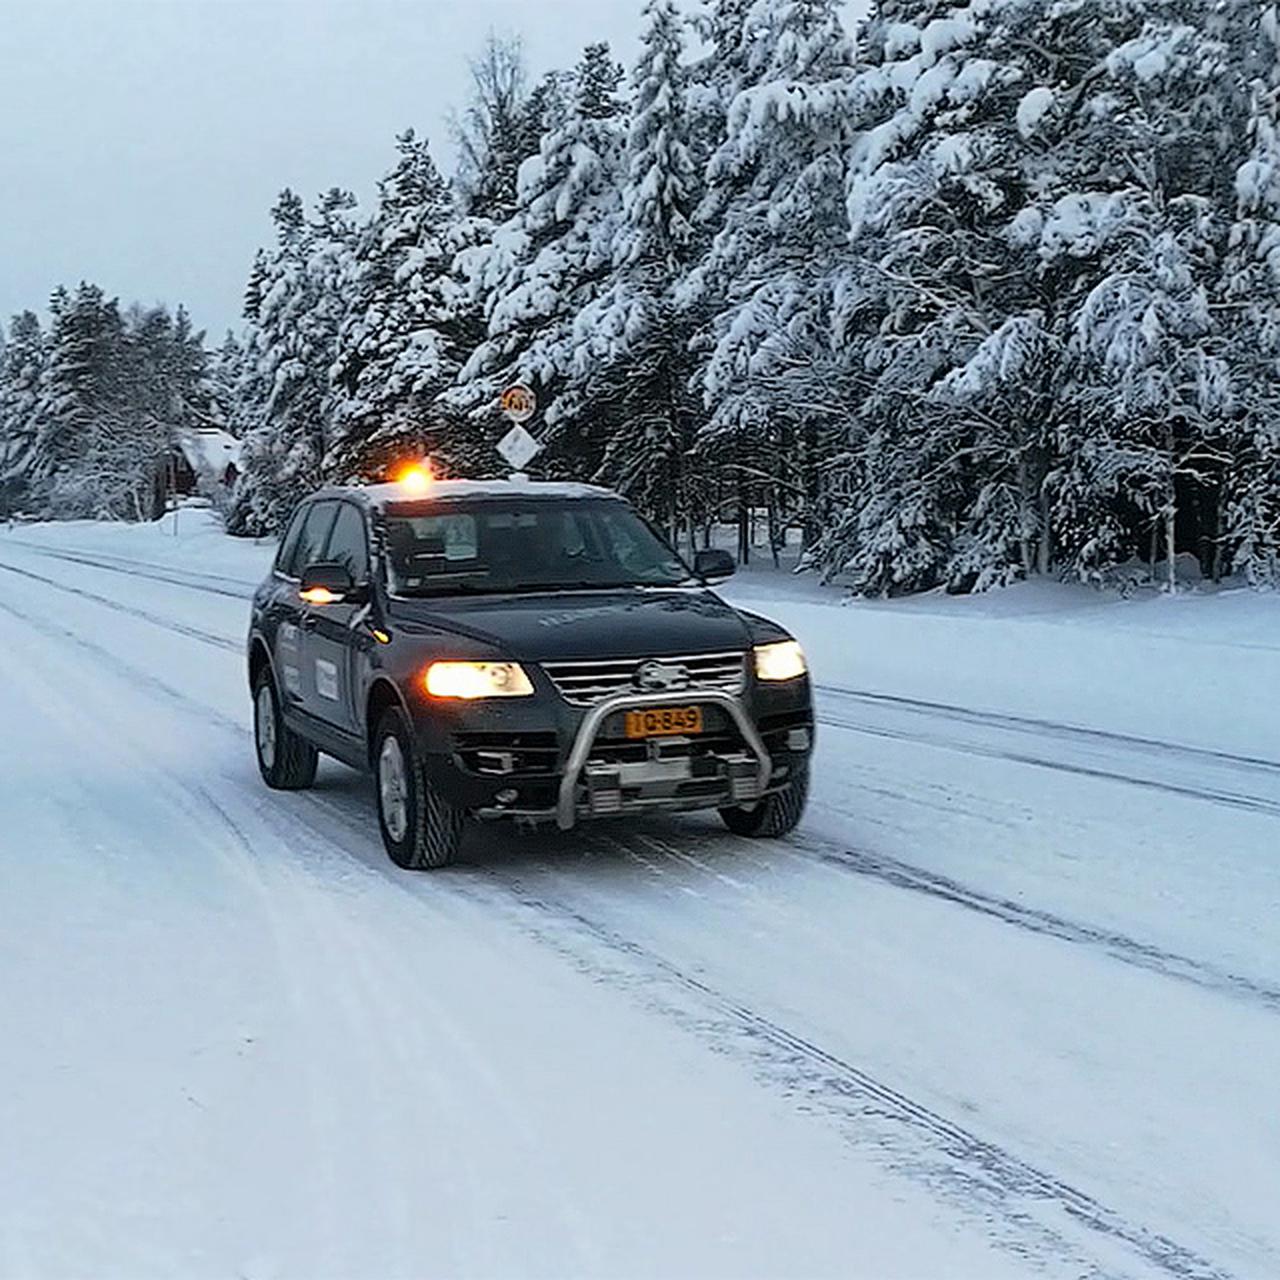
(658, 722)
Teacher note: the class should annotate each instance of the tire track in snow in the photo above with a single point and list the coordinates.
(1142, 955)
(1026, 726)
(313, 936)
(774, 1051)
(210, 583)
(916, 879)
(1037, 727)
(169, 624)
(857, 1095)
(1231, 799)
(901, 875)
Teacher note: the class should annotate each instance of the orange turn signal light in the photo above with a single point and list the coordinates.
(320, 595)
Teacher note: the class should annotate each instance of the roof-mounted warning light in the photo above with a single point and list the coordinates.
(416, 477)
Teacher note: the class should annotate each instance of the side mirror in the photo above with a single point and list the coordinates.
(713, 564)
(329, 584)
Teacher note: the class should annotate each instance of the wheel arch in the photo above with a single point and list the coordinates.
(259, 657)
(383, 694)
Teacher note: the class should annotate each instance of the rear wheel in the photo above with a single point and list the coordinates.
(420, 829)
(286, 761)
(776, 815)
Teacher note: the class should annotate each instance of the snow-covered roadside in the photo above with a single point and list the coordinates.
(1193, 669)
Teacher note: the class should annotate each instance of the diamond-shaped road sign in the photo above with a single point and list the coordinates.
(518, 447)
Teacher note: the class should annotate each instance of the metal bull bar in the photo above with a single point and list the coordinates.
(566, 807)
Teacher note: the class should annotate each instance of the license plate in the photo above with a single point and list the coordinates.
(658, 722)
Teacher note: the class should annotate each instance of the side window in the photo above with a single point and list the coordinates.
(348, 544)
(315, 533)
(289, 543)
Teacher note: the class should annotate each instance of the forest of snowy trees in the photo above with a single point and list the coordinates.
(985, 290)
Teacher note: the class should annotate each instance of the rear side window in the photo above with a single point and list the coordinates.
(310, 544)
(289, 543)
(347, 542)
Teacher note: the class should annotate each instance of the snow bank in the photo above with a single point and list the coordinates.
(1188, 669)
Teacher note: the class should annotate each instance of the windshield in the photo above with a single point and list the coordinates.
(494, 547)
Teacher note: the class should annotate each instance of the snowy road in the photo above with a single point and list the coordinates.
(1009, 1004)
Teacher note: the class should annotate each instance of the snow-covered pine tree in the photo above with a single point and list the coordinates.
(22, 363)
(548, 261)
(398, 345)
(633, 341)
(947, 332)
(291, 347)
(774, 194)
(1017, 157)
(1145, 443)
(1251, 303)
(80, 391)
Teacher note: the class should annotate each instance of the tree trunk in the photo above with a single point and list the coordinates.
(771, 515)
(1045, 550)
(1024, 512)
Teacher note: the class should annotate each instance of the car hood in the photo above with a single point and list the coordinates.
(629, 623)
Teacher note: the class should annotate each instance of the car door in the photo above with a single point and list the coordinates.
(331, 634)
(308, 546)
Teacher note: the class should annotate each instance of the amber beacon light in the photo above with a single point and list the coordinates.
(416, 477)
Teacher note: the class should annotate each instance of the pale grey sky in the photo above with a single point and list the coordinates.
(143, 141)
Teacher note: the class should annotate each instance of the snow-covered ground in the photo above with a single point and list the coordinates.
(1008, 1004)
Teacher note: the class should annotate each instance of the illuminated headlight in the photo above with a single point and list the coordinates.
(477, 680)
(781, 661)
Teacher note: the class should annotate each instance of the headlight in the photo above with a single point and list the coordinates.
(783, 660)
(476, 680)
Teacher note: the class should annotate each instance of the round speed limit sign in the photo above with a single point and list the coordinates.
(519, 403)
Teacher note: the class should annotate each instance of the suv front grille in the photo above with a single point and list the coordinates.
(587, 681)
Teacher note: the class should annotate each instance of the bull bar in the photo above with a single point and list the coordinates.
(589, 729)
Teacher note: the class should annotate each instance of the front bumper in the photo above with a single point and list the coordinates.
(553, 762)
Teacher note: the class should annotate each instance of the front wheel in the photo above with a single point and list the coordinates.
(286, 761)
(776, 815)
(420, 829)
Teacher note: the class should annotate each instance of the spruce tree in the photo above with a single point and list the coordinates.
(397, 350)
(1251, 307)
(633, 341)
(774, 191)
(22, 362)
(543, 266)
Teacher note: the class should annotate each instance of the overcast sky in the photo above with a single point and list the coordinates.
(142, 142)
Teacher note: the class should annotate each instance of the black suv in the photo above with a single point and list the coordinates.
(519, 649)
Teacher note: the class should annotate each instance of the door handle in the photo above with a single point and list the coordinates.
(310, 622)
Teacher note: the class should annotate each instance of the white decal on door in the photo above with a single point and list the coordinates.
(326, 680)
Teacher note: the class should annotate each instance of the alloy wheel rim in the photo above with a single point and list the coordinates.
(266, 727)
(393, 789)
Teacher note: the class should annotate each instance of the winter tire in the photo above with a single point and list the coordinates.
(420, 829)
(776, 815)
(287, 762)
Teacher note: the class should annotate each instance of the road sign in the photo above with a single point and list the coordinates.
(519, 403)
(518, 447)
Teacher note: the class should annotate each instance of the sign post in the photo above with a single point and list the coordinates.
(518, 447)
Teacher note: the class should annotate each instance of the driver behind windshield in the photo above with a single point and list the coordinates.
(490, 549)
